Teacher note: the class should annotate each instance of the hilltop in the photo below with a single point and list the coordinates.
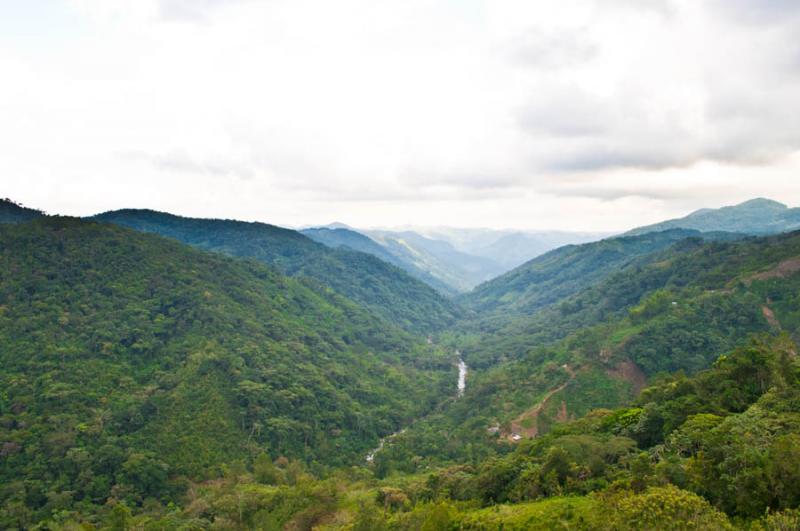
(11, 212)
(336, 237)
(384, 289)
(756, 216)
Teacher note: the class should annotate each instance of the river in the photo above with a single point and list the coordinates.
(462, 375)
(381, 444)
(461, 386)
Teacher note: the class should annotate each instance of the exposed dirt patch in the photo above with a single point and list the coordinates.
(769, 315)
(562, 415)
(526, 425)
(630, 372)
(782, 270)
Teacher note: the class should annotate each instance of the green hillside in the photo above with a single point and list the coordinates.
(459, 270)
(756, 216)
(130, 361)
(715, 451)
(565, 271)
(674, 312)
(640, 382)
(341, 237)
(384, 289)
(11, 212)
(729, 434)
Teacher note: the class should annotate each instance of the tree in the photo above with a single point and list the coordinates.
(265, 471)
(146, 474)
(368, 519)
(119, 518)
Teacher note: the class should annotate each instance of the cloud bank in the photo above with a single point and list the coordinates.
(587, 114)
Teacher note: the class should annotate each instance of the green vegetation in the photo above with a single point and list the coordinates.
(756, 216)
(339, 237)
(440, 258)
(11, 212)
(382, 288)
(715, 451)
(132, 364)
(556, 275)
(704, 297)
(676, 313)
(646, 382)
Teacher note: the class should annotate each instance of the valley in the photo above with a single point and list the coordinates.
(165, 372)
(433, 265)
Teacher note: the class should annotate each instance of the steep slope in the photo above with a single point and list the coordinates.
(729, 434)
(562, 272)
(341, 237)
(515, 248)
(127, 360)
(757, 216)
(461, 271)
(11, 212)
(675, 311)
(382, 288)
(450, 259)
(348, 238)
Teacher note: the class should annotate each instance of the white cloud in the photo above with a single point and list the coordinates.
(377, 112)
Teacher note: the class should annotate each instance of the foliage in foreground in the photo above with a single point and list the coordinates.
(715, 451)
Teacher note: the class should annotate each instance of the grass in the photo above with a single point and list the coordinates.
(568, 512)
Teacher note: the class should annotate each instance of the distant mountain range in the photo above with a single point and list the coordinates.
(509, 248)
(452, 260)
(339, 237)
(440, 258)
(568, 269)
(150, 381)
(456, 260)
(386, 290)
(757, 216)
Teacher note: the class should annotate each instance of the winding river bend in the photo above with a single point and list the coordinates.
(461, 386)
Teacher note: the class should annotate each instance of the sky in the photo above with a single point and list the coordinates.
(574, 115)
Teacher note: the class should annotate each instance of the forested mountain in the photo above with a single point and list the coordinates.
(132, 363)
(384, 289)
(638, 382)
(514, 248)
(564, 271)
(11, 212)
(461, 271)
(756, 216)
(718, 450)
(451, 260)
(507, 248)
(343, 237)
(674, 312)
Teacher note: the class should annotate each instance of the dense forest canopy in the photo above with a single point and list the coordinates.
(11, 212)
(384, 289)
(350, 239)
(130, 361)
(256, 379)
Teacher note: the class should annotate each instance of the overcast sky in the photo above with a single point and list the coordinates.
(570, 114)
